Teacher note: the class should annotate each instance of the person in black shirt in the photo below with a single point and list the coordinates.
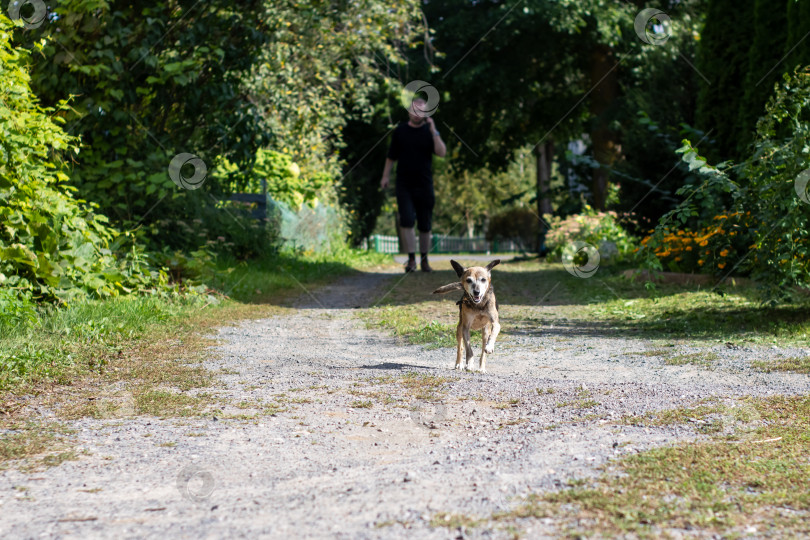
(412, 146)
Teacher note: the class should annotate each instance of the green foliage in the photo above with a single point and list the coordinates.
(798, 23)
(51, 244)
(515, 224)
(723, 57)
(768, 195)
(360, 191)
(602, 230)
(150, 80)
(15, 308)
(328, 65)
(285, 181)
(764, 70)
(466, 200)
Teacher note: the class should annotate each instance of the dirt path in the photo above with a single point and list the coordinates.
(334, 430)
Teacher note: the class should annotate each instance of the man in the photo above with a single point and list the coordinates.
(413, 144)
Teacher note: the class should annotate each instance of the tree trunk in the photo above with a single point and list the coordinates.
(604, 80)
(545, 156)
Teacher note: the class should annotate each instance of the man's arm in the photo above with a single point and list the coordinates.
(438, 144)
(386, 177)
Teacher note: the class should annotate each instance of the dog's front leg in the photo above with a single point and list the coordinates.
(482, 361)
(459, 347)
(489, 346)
(467, 346)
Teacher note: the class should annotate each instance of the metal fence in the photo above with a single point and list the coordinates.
(444, 244)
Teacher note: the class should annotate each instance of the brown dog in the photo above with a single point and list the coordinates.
(478, 310)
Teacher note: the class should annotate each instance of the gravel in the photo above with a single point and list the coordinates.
(330, 467)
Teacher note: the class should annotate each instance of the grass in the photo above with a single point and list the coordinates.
(726, 313)
(724, 485)
(91, 336)
(47, 442)
(794, 364)
(533, 294)
(579, 404)
(423, 386)
(695, 359)
(69, 358)
(358, 404)
(414, 327)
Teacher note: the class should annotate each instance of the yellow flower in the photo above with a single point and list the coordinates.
(721, 265)
(724, 253)
(700, 262)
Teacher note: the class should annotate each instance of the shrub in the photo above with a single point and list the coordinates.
(768, 212)
(51, 244)
(714, 249)
(599, 229)
(515, 224)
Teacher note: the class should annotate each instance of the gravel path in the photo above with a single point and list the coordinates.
(355, 453)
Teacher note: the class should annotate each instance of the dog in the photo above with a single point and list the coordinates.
(477, 310)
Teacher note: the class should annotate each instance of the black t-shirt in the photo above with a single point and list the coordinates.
(412, 148)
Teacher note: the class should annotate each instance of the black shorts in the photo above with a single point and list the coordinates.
(415, 206)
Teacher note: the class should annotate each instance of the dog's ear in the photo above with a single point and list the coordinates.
(493, 264)
(456, 285)
(457, 267)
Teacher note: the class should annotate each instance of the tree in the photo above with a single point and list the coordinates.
(723, 58)
(765, 66)
(151, 79)
(52, 246)
(545, 74)
(797, 47)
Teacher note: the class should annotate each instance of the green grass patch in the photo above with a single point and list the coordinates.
(728, 313)
(532, 294)
(424, 386)
(794, 364)
(85, 337)
(35, 443)
(579, 404)
(410, 324)
(359, 404)
(164, 403)
(454, 521)
(721, 486)
(695, 359)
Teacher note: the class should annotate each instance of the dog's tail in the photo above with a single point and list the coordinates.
(448, 288)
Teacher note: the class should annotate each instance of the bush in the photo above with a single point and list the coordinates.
(51, 244)
(714, 249)
(599, 229)
(516, 224)
(768, 212)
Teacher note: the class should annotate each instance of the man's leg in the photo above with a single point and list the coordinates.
(424, 249)
(407, 220)
(423, 206)
(409, 241)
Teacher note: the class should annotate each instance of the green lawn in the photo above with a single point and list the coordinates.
(532, 293)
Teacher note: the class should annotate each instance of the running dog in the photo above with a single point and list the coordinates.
(478, 310)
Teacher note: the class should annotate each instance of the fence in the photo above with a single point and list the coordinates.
(444, 244)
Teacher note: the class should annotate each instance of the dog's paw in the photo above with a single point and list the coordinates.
(459, 367)
(490, 348)
(482, 370)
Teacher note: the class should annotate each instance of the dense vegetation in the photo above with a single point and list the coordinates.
(556, 112)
